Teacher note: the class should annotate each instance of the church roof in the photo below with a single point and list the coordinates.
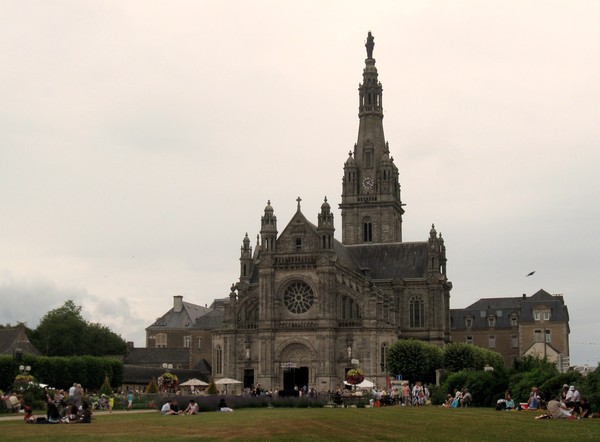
(393, 260)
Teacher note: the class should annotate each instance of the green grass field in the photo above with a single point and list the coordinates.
(293, 424)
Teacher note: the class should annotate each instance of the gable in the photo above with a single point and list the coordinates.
(299, 236)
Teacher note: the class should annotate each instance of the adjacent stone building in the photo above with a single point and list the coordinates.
(307, 307)
(537, 325)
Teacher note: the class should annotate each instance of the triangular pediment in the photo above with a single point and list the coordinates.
(299, 236)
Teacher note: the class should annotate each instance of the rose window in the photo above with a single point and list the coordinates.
(298, 297)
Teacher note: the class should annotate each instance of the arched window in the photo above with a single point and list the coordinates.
(367, 229)
(218, 359)
(416, 310)
(383, 357)
(349, 308)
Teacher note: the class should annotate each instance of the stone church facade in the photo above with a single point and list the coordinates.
(308, 307)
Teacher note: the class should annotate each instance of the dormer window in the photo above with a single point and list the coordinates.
(546, 316)
(514, 321)
(536, 316)
(491, 321)
(468, 322)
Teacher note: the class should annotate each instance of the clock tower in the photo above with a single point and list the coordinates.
(371, 205)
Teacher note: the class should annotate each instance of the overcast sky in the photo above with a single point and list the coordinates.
(140, 141)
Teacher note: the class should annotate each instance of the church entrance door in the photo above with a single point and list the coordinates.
(293, 380)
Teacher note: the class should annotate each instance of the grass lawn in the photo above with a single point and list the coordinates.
(294, 424)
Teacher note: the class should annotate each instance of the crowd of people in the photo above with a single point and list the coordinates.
(73, 406)
(569, 404)
(62, 408)
(171, 408)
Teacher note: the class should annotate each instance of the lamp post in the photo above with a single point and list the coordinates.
(167, 367)
(24, 369)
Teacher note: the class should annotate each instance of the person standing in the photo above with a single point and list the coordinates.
(129, 400)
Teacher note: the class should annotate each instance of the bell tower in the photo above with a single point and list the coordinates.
(371, 205)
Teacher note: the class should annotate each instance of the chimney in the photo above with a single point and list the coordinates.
(177, 303)
(524, 296)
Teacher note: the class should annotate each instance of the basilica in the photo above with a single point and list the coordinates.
(308, 307)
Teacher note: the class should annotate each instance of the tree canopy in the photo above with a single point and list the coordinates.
(415, 360)
(64, 332)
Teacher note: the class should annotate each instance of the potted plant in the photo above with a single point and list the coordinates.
(355, 376)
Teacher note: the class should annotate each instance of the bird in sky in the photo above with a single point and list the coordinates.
(530, 273)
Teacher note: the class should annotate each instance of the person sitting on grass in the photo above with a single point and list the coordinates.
(71, 415)
(192, 408)
(86, 414)
(223, 405)
(585, 408)
(457, 397)
(53, 415)
(167, 408)
(29, 418)
(466, 398)
(508, 401)
(534, 399)
(175, 407)
(556, 410)
(448, 401)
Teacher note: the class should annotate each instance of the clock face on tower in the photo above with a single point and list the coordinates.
(367, 183)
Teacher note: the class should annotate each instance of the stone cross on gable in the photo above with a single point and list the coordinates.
(298, 199)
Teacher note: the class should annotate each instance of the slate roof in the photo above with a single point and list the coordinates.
(384, 261)
(504, 308)
(134, 374)
(157, 356)
(210, 321)
(393, 260)
(184, 318)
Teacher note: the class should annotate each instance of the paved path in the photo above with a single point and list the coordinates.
(19, 416)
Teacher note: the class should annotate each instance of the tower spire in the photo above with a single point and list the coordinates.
(371, 189)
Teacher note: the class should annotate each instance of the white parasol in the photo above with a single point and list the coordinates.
(227, 381)
(193, 383)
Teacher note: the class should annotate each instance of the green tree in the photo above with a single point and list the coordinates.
(529, 372)
(106, 388)
(486, 387)
(413, 359)
(152, 387)
(461, 356)
(64, 332)
(590, 389)
(212, 387)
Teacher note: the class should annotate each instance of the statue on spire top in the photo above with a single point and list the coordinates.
(370, 45)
